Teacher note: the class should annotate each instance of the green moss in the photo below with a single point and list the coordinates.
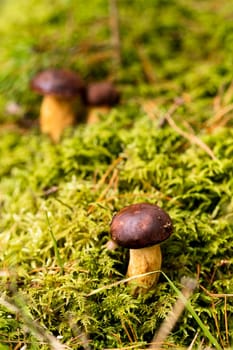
(57, 201)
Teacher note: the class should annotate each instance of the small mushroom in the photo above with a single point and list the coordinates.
(100, 97)
(141, 228)
(63, 91)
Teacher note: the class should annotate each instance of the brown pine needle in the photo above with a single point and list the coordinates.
(190, 137)
(111, 183)
(226, 322)
(146, 66)
(115, 31)
(108, 171)
(216, 295)
(216, 321)
(220, 114)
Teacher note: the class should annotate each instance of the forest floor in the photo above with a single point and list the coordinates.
(168, 142)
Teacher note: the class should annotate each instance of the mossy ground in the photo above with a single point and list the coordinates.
(170, 50)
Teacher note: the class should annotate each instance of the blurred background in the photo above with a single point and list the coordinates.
(164, 47)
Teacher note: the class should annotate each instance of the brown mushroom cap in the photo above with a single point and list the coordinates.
(58, 82)
(102, 93)
(140, 225)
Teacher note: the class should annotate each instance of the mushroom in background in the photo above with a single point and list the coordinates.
(99, 98)
(141, 228)
(63, 92)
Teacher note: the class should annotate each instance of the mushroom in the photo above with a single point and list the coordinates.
(99, 98)
(141, 228)
(62, 90)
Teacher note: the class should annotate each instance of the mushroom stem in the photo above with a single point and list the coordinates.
(93, 113)
(141, 261)
(56, 114)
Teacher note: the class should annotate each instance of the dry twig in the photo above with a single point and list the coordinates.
(189, 284)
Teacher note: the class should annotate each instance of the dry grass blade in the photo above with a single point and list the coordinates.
(219, 115)
(193, 342)
(147, 66)
(189, 284)
(98, 290)
(79, 333)
(190, 137)
(131, 347)
(39, 332)
(108, 171)
(115, 31)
